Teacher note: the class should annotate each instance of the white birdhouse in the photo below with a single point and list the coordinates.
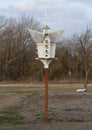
(46, 44)
(46, 49)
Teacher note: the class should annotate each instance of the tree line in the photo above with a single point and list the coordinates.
(18, 53)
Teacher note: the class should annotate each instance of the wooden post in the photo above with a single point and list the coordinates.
(46, 94)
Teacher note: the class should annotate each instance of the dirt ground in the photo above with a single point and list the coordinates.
(68, 109)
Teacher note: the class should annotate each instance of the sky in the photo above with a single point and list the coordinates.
(71, 15)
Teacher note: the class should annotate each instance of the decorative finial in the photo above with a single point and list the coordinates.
(46, 18)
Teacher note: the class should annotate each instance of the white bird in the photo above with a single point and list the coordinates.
(81, 90)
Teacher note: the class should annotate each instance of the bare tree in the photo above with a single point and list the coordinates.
(83, 44)
(16, 48)
(3, 21)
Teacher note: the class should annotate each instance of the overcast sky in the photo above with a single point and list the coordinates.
(72, 15)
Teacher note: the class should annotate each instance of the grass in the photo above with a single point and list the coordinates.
(19, 92)
(37, 88)
(60, 88)
(10, 116)
(75, 120)
(40, 116)
(70, 120)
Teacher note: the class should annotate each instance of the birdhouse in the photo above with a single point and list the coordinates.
(46, 44)
(46, 49)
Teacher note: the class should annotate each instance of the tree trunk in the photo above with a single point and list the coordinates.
(86, 79)
(86, 82)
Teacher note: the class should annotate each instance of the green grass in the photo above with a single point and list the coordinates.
(40, 116)
(10, 116)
